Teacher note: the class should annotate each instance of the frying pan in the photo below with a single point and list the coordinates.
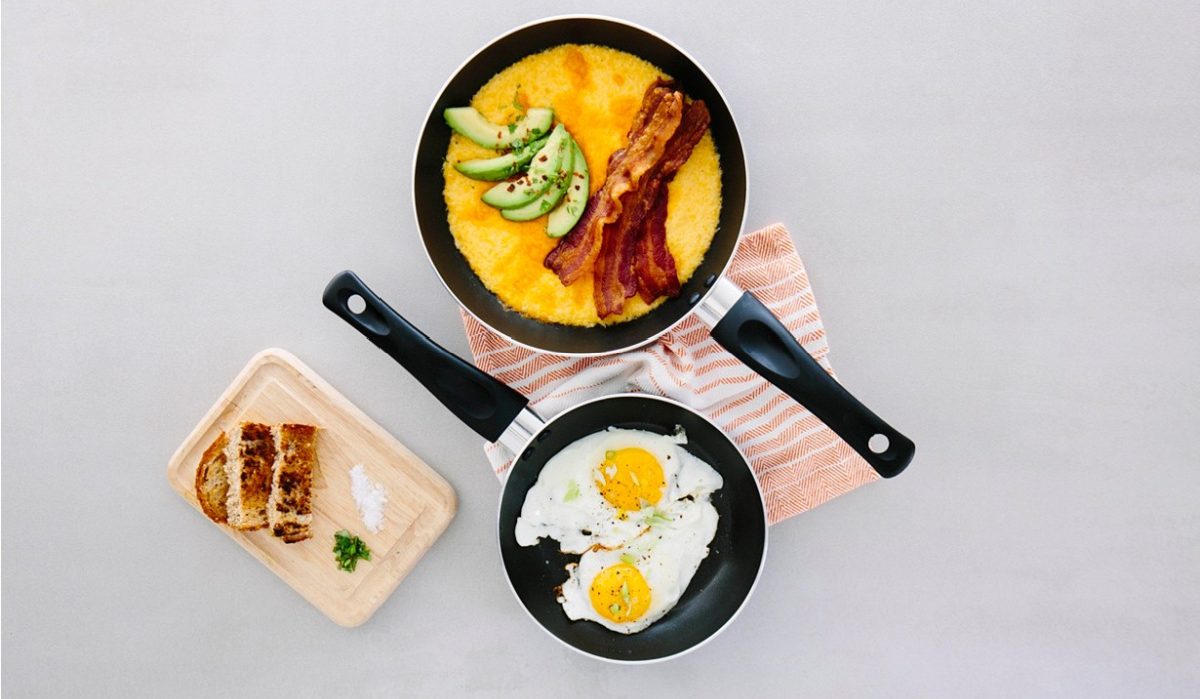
(498, 413)
(739, 322)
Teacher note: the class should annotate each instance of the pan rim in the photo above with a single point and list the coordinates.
(762, 501)
(745, 195)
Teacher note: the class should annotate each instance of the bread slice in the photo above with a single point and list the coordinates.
(289, 509)
(212, 482)
(249, 461)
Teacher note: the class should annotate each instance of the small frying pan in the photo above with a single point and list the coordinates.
(739, 322)
(725, 578)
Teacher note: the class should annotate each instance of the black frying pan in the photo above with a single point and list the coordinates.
(739, 322)
(724, 580)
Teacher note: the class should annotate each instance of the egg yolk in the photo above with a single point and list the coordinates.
(631, 478)
(619, 593)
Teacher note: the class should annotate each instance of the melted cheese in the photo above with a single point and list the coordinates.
(595, 91)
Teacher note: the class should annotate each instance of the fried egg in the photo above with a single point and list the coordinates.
(628, 589)
(601, 490)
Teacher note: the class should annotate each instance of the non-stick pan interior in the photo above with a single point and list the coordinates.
(431, 208)
(724, 579)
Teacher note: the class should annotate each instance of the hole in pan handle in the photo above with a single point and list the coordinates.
(485, 404)
(754, 335)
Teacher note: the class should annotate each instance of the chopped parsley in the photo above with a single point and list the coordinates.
(349, 549)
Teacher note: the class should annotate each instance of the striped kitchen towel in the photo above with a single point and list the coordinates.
(800, 463)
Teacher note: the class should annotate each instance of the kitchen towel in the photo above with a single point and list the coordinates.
(800, 463)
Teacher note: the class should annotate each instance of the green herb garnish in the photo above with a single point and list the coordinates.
(572, 491)
(614, 608)
(349, 549)
(625, 592)
(657, 517)
(517, 100)
(610, 455)
(629, 558)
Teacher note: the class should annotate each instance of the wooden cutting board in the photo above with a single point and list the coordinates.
(277, 387)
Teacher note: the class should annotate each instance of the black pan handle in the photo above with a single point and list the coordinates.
(754, 335)
(485, 404)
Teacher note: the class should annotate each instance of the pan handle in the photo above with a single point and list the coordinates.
(485, 404)
(743, 325)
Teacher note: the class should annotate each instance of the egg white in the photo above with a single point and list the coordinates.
(566, 504)
(668, 555)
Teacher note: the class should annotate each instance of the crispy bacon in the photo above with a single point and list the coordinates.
(658, 119)
(621, 236)
(634, 257)
(653, 263)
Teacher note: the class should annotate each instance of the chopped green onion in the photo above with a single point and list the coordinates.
(614, 608)
(629, 558)
(572, 491)
(657, 517)
(349, 549)
(625, 592)
(610, 455)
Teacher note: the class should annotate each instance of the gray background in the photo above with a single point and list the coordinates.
(999, 208)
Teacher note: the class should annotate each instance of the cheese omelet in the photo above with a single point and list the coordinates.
(595, 92)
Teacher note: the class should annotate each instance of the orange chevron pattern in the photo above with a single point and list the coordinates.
(799, 462)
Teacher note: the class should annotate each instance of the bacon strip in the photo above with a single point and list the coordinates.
(653, 263)
(654, 125)
(634, 257)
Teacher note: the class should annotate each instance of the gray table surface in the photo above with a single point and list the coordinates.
(1000, 210)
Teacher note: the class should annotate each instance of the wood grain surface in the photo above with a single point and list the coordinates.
(277, 387)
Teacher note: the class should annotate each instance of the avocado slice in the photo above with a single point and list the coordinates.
(502, 166)
(470, 123)
(564, 218)
(553, 194)
(519, 192)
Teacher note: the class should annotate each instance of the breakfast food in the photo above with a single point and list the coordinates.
(289, 507)
(630, 588)
(258, 476)
(249, 462)
(637, 506)
(596, 94)
(212, 483)
(621, 238)
(555, 174)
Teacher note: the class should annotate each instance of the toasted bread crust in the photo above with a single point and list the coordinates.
(289, 509)
(212, 483)
(252, 466)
